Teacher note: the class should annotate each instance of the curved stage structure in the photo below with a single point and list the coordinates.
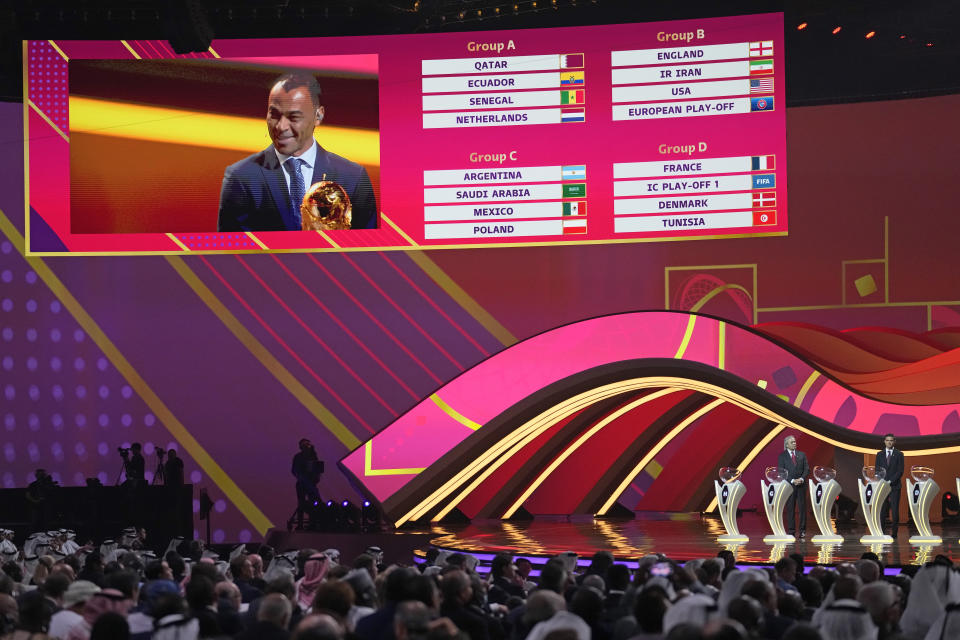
(638, 410)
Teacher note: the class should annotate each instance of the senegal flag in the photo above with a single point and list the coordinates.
(571, 96)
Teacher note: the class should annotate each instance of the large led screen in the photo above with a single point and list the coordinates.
(618, 133)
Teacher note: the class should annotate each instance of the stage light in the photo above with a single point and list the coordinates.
(836, 30)
(802, 26)
(870, 34)
(950, 507)
(350, 516)
(369, 517)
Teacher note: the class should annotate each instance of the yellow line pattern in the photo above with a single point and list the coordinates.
(213, 53)
(578, 443)
(470, 305)
(806, 387)
(256, 240)
(368, 469)
(693, 417)
(267, 359)
(686, 338)
(494, 457)
(133, 378)
(130, 49)
(715, 292)
(58, 50)
(398, 229)
(177, 242)
(453, 413)
(48, 120)
(721, 345)
(328, 239)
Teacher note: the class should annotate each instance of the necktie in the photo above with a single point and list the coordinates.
(793, 457)
(888, 455)
(297, 188)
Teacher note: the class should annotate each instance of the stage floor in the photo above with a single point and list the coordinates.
(681, 536)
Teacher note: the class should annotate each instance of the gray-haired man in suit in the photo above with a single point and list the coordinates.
(795, 462)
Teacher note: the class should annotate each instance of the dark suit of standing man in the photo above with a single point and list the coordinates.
(891, 459)
(256, 192)
(795, 462)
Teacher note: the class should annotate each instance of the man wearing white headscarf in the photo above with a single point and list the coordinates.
(846, 619)
(8, 550)
(733, 586)
(696, 609)
(934, 586)
(947, 625)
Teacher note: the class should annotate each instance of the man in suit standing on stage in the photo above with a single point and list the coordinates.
(795, 462)
(891, 459)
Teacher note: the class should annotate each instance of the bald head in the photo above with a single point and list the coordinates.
(276, 609)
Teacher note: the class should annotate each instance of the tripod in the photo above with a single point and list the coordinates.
(160, 475)
(308, 502)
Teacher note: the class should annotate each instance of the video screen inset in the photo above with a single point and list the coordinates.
(617, 133)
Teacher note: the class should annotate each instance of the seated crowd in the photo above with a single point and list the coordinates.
(53, 588)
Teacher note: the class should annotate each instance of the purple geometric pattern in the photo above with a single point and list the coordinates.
(48, 82)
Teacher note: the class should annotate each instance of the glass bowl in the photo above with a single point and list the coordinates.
(775, 475)
(729, 474)
(921, 472)
(873, 474)
(824, 474)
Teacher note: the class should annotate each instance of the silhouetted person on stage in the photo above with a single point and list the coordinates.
(891, 459)
(133, 465)
(38, 495)
(795, 462)
(173, 470)
(306, 469)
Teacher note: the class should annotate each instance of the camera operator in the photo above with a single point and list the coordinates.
(173, 470)
(306, 469)
(133, 464)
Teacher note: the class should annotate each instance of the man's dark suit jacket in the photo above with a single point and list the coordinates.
(794, 471)
(254, 194)
(895, 469)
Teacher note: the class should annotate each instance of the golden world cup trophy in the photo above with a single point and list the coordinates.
(326, 207)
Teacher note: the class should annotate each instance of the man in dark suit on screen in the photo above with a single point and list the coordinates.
(263, 192)
(891, 459)
(795, 462)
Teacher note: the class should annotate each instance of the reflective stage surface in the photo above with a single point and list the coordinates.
(681, 536)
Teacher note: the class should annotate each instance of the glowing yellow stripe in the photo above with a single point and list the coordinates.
(806, 387)
(578, 443)
(722, 345)
(368, 469)
(195, 128)
(517, 445)
(213, 53)
(576, 403)
(453, 413)
(398, 229)
(130, 49)
(750, 456)
(655, 450)
(256, 240)
(177, 242)
(547, 417)
(469, 305)
(138, 384)
(686, 337)
(266, 358)
(328, 239)
(714, 293)
(48, 120)
(58, 50)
